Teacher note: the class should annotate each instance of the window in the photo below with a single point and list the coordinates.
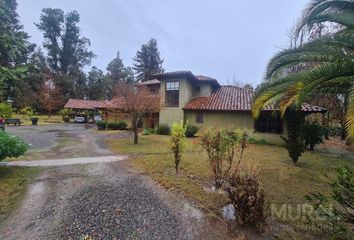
(197, 90)
(200, 118)
(153, 91)
(269, 122)
(172, 94)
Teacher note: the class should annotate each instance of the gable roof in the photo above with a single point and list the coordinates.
(149, 82)
(231, 98)
(188, 75)
(83, 104)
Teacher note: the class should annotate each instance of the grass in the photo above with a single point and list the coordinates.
(283, 182)
(43, 119)
(13, 182)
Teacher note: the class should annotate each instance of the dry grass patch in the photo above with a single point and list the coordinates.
(283, 182)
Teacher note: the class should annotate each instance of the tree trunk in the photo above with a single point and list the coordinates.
(135, 130)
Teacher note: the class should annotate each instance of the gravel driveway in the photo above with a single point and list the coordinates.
(100, 200)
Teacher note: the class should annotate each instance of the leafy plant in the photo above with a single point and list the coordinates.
(178, 144)
(220, 145)
(148, 131)
(163, 129)
(247, 197)
(313, 134)
(121, 125)
(11, 146)
(26, 111)
(191, 130)
(101, 125)
(6, 110)
(294, 121)
(338, 217)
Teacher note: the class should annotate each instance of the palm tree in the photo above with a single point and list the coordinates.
(324, 63)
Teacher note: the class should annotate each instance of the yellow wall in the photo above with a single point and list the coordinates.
(222, 119)
(168, 115)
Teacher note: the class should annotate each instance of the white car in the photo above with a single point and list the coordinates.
(97, 118)
(79, 119)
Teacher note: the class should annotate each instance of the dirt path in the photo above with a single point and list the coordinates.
(105, 200)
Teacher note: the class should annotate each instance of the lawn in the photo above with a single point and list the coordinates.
(13, 182)
(43, 119)
(283, 182)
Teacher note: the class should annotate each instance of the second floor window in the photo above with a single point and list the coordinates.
(172, 94)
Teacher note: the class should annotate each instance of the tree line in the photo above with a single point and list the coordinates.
(45, 76)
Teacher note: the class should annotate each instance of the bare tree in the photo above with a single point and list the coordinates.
(50, 96)
(137, 102)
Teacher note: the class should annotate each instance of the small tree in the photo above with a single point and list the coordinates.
(220, 145)
(137, 102)
(294, 121)
(11, 146)
(50, 96)
(178, 138)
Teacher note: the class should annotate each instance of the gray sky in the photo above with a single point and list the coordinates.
(218, 38)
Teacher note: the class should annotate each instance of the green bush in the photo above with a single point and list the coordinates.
(191, 131)
(148, 131)
(101, 125)
(27, 111)
(178, 144)
(163, 129)
(336, 207)
(117, 125)
(6, 110)
(313, 134)
(11, 146)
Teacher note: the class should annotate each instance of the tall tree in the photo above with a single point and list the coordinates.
(14, 48)
(325, 62)
(148, 61)
(116, 73)
(96, 84)
(67, 50)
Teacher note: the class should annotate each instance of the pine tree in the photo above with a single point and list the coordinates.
(148, 61)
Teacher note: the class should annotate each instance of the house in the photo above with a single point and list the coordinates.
(202, 101)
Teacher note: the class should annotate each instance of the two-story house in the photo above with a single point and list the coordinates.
(202, 101)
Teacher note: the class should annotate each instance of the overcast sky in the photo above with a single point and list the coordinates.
(218, 38)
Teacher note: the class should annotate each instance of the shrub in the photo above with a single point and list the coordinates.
(101, 125)
(163, 129)
(26, 111)
(294, 121)
(178, 135)
(247, 197)
(337, 207)
(11, 146)
(313, 134)
(117, 125)
(148, 131)
(5, 110)
(191, 130)
(254, 138)
(220, 145)
(65, 113)
(121, 125)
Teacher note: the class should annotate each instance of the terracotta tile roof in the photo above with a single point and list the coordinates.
(204, 78)
(83, 104)
(231, 98)
(188, 75)
(115, 103)
(305, 107)
(226, 98)
(149, 82)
